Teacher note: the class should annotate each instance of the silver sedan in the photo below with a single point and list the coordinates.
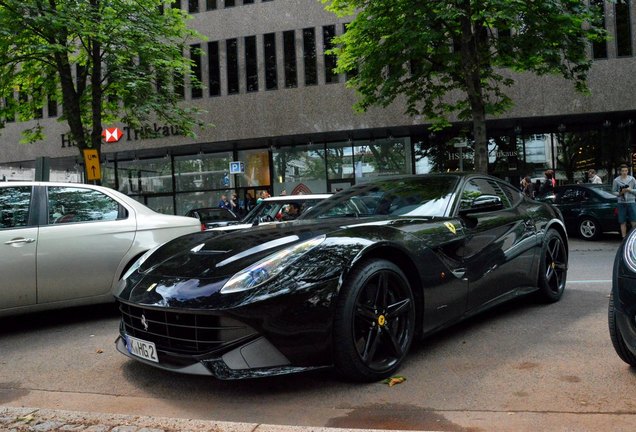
(66, 244)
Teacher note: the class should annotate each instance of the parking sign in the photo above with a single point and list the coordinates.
(237, 167)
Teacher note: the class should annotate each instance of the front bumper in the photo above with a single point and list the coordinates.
(254, 359)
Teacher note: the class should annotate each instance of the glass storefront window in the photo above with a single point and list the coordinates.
(376, 158)
(256, 163)
(339, 160)
(203, 172)
(300, 170)
(147, 176)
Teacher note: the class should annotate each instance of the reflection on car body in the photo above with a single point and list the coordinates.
(65, 244)
(350, 285)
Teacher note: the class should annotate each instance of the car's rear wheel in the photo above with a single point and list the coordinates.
(589, 228)
(374, 322)
(553, 267)
(617, 338)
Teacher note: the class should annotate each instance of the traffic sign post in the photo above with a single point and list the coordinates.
(91, 161)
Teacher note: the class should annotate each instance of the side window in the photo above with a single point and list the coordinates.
(513, 195)
(70, 204)
(476, 188)
(14, 206)
(569, 196)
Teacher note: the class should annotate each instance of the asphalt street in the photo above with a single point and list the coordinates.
(522, 366)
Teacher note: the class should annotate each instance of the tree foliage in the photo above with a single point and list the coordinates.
(455, 57)
(103, 60)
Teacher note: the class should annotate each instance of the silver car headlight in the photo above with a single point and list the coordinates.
(269, 267)
(629, 252)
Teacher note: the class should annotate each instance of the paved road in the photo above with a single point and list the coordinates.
(519, 367)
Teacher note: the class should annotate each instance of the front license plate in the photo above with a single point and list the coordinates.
(141, 348)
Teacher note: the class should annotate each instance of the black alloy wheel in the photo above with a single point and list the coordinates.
(589, 228)
(374, 322)
(617, 338)
(553, 267)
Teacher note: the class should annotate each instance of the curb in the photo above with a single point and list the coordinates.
(46, 420)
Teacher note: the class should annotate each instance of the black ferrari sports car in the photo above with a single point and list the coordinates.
(350, 285)
(621, 312)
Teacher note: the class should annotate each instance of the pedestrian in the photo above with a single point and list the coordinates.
(234, 203)
(624, 187)
(223, 202)
(593, 177)
(548, 183)
(527, 187)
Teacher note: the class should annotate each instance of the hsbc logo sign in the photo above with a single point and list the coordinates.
(112, 135)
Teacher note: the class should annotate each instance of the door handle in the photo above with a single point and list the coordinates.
(19, 241)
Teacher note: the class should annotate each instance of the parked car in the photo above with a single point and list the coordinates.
(588, 210)
(66, 244)
(351, 284)
(621, 315)
(274, 209)
(212, 217)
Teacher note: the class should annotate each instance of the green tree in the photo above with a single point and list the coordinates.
(104, 60)
(454, 57)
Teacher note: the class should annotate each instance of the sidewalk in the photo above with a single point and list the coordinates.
(45, 420)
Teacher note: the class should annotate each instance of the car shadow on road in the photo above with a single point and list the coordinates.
(56, 318)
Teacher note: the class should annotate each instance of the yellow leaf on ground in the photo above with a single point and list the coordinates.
(394, 380)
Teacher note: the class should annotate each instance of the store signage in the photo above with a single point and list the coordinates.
(135, 134)
(237, 168)
(111, 135)
(470, 156)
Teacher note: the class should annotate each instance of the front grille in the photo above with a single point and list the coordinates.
(182, 332)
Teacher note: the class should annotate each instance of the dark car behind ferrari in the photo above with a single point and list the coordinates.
(589, 210)
(622, 304)
(351, 284)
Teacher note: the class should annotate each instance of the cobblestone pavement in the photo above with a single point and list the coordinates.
(44, 420)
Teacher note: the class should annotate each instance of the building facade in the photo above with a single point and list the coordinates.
(274, 105)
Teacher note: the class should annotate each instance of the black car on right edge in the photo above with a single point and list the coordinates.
(621, 315)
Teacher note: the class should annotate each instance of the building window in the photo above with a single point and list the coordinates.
(210, 4)
(229, 3)
(599, 48)
(214, 83)
(176, 4)
(195, 56)
(251, 64)
(623, 29)
(193, 6)
(309, 55)
(51, 106)
(271, 79)
(352, 73)
(179, 84)
(328, 33)
(231, 48)
(291, 70)
(9, 102)
(248, 2)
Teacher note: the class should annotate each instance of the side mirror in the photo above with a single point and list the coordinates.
(483, 203)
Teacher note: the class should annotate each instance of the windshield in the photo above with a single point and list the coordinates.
(413, 196)
(605, 191)
(276, 210)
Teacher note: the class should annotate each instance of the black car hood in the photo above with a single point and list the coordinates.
(221, 254)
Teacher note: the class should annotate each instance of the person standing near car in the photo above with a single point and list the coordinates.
(593, 177)
(624, 187)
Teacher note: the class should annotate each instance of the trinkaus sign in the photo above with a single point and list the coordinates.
(135, 134)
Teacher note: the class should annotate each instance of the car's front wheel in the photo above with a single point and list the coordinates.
(589, 229)
(553, 267)
(617, 338)
(374, 322)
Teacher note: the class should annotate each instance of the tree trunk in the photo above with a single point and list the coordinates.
(472, 76)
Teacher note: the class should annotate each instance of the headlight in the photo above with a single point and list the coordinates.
(629, 252)
(269, 267)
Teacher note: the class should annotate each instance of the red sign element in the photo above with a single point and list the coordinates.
(112, 135)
